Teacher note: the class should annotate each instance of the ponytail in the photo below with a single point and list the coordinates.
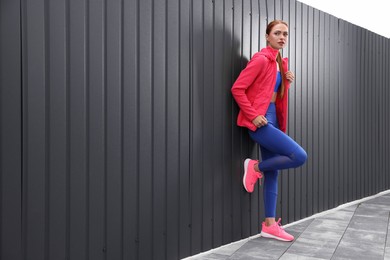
(281, 89)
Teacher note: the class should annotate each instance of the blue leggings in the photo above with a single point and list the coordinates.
(278, 151)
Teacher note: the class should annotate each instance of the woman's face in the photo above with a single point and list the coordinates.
(278, 36)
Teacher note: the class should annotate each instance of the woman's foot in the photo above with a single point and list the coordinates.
(250, 175)
(276, 231)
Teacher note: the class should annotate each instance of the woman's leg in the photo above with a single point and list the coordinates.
(288, 154)
(279, 151)
(271, 228)
(270, 189)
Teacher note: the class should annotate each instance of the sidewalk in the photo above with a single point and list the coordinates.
(359, 230)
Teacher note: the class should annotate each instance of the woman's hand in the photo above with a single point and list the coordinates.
(289, 76)
(259, 121)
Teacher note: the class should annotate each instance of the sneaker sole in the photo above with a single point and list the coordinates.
(246, 162)
(263, 234)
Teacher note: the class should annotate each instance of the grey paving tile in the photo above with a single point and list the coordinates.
(362, 236)
(288, 256)
(323, 225)
(372, 210)
(387, 245)
(348, 258)
(387, 253)
(299, 228)
(382, 200)
(388, 236)
(348, 250)
(368, 224)
(342, 215)
(330, 237)
(267, 244)
(248, 257)
(230, 249)
(318, 242)
(264, 241)
(312, 248)
(211, 256)
(261, 249)
(350, 208)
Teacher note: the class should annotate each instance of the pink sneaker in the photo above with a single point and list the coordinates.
(250, 175)
(275, 231)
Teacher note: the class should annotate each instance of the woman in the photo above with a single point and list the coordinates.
(261, 93)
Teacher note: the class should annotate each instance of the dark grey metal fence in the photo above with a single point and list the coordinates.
(118, 135)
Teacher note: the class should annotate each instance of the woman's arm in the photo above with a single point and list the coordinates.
(244, 81)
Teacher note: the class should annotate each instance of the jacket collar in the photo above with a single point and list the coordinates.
(270, 52)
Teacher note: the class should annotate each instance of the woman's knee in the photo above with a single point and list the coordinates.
(299, 156)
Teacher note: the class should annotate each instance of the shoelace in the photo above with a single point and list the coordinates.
(279, 224)
(260, 177)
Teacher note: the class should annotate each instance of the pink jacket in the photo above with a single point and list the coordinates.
(254, 87)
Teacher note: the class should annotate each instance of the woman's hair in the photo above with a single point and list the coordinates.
(279, 57)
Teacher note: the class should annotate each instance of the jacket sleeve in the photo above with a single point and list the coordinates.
(247, 76)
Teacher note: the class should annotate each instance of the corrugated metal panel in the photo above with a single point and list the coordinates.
(10, 131)
(130, 148)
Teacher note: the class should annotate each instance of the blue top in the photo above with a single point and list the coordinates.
(278, 81)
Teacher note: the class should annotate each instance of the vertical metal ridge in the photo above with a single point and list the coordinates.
(179, 128)
(312, 114)
(385, 80)
(212, 167)
(223, 120)
(336, 82)
(385, 145)
(22, 124)
(323, 34)
(152, 142)
(242, 35)
(275, 18)
(191, 116)
(307, 101)
(87, 125)
(47, 125)
(105, 125)
(122, 126)
(359, 51)
(303, 113)
(387, 68)
(258, 41)
(1, 138)
(383, 114)
(202, 122)
(295, 106)
(329, 112)
(232, 113)
(318, 99)
(383, 73)
(68, 126)
(137, 43)
(250, 29)
(24, 72)
(166, 131)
